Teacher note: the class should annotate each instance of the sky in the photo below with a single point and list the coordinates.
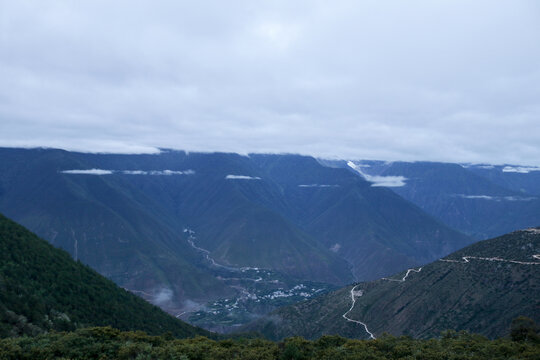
(455, 81)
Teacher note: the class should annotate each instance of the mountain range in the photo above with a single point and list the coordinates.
(181, 228)
(481, 201)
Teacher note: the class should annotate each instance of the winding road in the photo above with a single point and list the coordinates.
(353, 294)
(359, 293)
(465, 259)
(405, 277)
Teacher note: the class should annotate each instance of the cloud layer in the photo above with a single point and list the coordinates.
(520, 169)
(127, 172)
(88, 172)
(418, 80)
(497, 198)
(242, 177)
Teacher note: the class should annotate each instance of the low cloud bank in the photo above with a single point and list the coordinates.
(478, 166)
(317, 186)
(158, 172)
(497, 198)
(88, 172)
(385, 181)
(520, 169)
(242, 177)
(127, 172)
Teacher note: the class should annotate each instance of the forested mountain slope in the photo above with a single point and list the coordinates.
(42, 288)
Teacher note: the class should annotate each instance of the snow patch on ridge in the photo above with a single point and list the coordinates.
(385, 181)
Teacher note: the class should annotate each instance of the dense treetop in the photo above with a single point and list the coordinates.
(108, 343)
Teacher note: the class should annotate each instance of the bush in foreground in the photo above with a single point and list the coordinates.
(109, 343)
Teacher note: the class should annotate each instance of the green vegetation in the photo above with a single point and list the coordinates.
(109, 343)
(524, 329)
(42, 289)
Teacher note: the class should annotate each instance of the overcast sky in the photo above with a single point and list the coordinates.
(392, 80)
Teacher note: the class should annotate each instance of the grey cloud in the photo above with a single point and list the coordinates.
(447, 80)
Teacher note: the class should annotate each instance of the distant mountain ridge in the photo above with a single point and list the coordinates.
(480, 288)
(482, 201)
(369, 226)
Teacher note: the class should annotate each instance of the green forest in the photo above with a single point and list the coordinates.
(109, 343)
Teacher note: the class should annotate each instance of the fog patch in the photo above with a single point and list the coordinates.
(128, 172)
(335, 248)
(192, 306)
(163, 296)
(478, 166)
(384, 181)
(496, 198)
(134, 172)
(317, 186)
(158, 172)
(88, 172)
(520, 169)
(242, 177)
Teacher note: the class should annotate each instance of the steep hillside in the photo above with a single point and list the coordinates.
(480, 288)
(107, 223)
(42, 288)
